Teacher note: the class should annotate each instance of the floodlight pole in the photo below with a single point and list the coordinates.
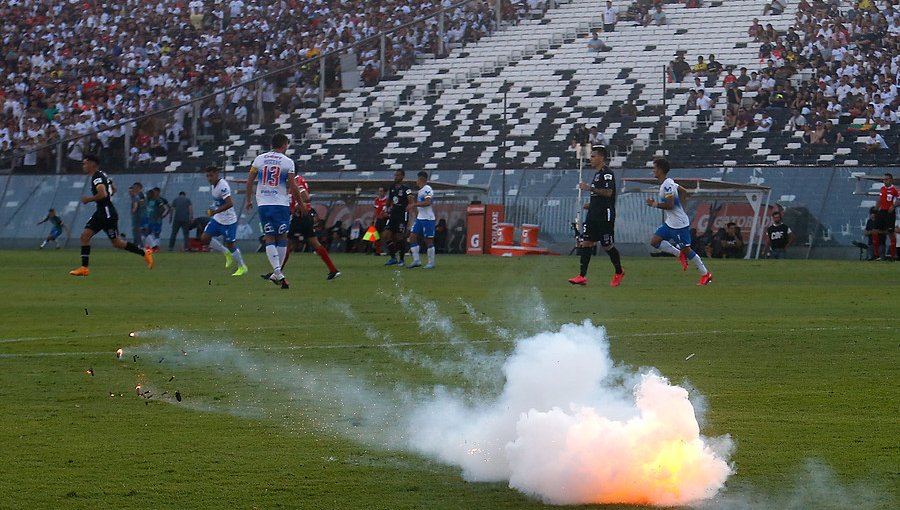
(503, 152)
(662, 118)
(383, 49)
(321, 80)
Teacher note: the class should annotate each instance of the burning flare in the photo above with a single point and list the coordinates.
(572, 428)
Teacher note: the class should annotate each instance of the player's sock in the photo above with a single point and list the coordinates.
(585, 259)
(415, 252)
(892, 242)
(615, 258)
(326, 258)
(402, 250)
(431, 255)
(392, 249)
(43, 244)
(281, 245)
(85, 255)
(133, 248)
(876, 245)
(667, 247)
(693, 257)
(236, 253)
(216, 245)
(274, 259)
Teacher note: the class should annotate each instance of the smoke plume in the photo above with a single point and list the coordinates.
(570, 427)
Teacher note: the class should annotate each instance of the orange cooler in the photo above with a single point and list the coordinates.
(530, 235)
(504, 234)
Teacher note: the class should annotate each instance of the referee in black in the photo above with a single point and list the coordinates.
(601, 218)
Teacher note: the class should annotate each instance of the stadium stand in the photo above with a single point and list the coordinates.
(78, 67)
(447, 113)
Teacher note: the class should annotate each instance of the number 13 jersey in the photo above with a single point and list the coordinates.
(273, 171)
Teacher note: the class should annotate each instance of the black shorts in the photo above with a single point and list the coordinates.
(380, 223)
(602, 232)
(396, 223)
(303, 226)
(102, 221)
(885, 220)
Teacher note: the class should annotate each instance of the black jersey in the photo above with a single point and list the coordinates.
(603, 208)
(104, 205)
(397, 198)
(778, 236)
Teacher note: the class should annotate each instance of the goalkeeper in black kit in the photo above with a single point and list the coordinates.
(601, 218)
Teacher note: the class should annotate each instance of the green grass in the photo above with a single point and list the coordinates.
(797, 360)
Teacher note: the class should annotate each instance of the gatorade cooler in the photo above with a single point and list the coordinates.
(530, 235)
(504, 234)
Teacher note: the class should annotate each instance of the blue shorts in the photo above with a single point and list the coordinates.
(677, 237)
(155, 228)
(55, 232)
(423, 228)
(275, 219)
(216, 229)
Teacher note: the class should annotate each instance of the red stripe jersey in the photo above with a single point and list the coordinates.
(888, 198)
(301, 183)
(380, 203)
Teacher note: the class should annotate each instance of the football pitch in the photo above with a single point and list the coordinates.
(796, 360)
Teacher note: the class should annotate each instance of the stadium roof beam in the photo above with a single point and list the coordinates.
(722, 191)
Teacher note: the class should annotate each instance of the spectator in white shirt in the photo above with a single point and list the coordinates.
(874, 142)
(754, 84)
(610, 16)
(764, 124)
(887, 117)
(596, 137)
(797, 122)
(704, 102)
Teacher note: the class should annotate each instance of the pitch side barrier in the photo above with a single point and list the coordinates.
(826, 207)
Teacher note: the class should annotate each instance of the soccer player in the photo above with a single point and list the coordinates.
(601, 218)
(423, 228)
(55, 231)
(275, 173)
(395, 228)
(303, 221)
(157, 209)
(886, 217)
(674, 235)
(105, 219)
(223, 222)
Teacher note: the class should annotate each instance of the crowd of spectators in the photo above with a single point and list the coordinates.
(852, 52)
(76, 67)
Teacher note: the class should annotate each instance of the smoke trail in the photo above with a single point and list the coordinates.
(814, 486)
(569, 427)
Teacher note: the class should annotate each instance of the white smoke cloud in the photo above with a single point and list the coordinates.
(570, 427)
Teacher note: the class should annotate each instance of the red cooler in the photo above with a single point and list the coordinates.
(503, 233)
(530, 235)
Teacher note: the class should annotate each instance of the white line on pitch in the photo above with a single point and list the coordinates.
(387, 345)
